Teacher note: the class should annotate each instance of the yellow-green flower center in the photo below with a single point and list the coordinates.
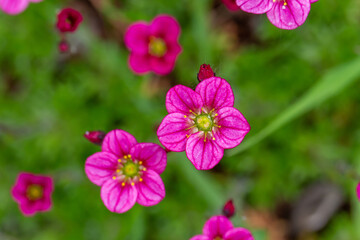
(130, 169)
(34, 192)
(157, 47)
(204, 122)
(218, 238)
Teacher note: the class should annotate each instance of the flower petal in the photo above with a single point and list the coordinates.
(100, 167)
(231, 5)
(118, 142)
(139, 63)
(200, 237)
(182, 99)
(137, 38)
(289, 16)
(255, 6)
(152, 155)
(164, 65)
(238, 234)
(117, 198)
(13, 7)
(151, 190)
(165, 27)
(358, 191)
(215, 93)
(204, 155)
(217, 226)
(312, 1)
(172, 132)
(233, 128)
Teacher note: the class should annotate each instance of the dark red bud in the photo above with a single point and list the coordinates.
(68, 20)
(229, 209)
(63, 46)
(95, 137)
(205, 72)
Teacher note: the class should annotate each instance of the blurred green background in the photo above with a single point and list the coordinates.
(48, 100)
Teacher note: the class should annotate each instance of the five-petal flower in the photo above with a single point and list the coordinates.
(202, 122)
(127, 171)
(220, 228)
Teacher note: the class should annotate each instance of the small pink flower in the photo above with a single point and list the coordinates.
(358, 191)
(229, 209)
(220, 228)
(95, 137)
(285, 14)
(127, 171)
(153, 47)
(231, 5)
(205, 72)
(68, 20)
(63, 46)
(14, 7)
(33, 193)
(202, 122)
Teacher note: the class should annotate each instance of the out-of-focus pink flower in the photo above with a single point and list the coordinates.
(358, 191)
(68, 20)
(220, 228)
(229, 209)
(205, 72)
(202, 122)
(127, 171)
(95, 137)
(63, 48)
(14, 7)
(231, 5)
(284, 14)
(153, 47)
(33, 193)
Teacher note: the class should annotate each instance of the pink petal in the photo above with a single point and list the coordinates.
(118, 142)
(137, 38)
(238, 234)
(233, 128)
(217, 226)
(13, 7)
(151, 190)
(231, 5)
(215, 93)
(203, 155)
(290, 16)
(358, 191)
(255, 6)
(164, 65)
(117, 198)
(35, 1)
(139, 63)
(200, 237)
(172, 132)
(100, 167)
(182, 99)
(165, 27)
(312, 1)
(152, 155)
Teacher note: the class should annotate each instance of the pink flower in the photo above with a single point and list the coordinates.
(231, 5)
(68, 20)
(358, 191)
(205, 72)
(33, 193)
(127, 171)
(153, 47)
(285, 14)
(220, 228)
(95, 137)
(202, 122)
(14, 7)
(229, 209)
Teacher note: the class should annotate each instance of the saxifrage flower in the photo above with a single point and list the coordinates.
(220, 228)
(14, 7)
(127, 171)
(284, 14)
(68, 20)
(33, 193)
(202, 122)
(153, 47)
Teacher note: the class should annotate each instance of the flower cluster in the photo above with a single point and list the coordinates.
(202, 122)
(284, 14)
(32, 193)
(153, 47)
(127, 171)
(14, 7)
(220, 228)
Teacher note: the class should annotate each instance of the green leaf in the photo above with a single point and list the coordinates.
(334, 81)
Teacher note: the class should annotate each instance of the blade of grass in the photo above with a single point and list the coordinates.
(333, 82)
